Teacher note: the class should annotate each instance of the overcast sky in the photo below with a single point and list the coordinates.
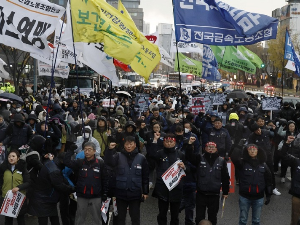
(161, 11)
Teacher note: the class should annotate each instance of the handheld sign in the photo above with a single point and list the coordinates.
(173, 176)
(12, 204)
(271, 103)
(104, 209)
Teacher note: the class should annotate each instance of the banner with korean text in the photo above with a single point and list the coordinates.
(173, 176)
(12, 204)
(25, 25)
(214, 22)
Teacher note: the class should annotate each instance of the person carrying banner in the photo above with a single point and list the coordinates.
(14, 176)
(212, 175)
(255, 181)
(165, 158)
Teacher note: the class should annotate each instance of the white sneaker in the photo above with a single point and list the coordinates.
(276, 192)
(150, 185)
(282, 180)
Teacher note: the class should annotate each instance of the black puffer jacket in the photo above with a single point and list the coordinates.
(287, 113)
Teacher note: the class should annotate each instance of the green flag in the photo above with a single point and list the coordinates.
(219, 53)
(188, 65)
(252, 57)
(236, 59)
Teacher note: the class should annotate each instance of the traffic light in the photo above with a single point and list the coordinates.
(262, 65)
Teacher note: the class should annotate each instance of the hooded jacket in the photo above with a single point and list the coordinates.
(100, 134)
(121, 136)
(81, 140)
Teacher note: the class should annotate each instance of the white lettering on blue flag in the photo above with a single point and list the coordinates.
(220, 24)
(209, 65)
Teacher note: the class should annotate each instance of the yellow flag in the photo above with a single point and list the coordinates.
(148, 56)
(95, 21)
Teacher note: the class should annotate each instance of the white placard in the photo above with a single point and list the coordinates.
(62, 70)
(271, 103)
(173, 176)
(12, 204)
(106, 103)
(104, 209)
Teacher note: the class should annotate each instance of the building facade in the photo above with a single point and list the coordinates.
(136, 13)
(289, 16)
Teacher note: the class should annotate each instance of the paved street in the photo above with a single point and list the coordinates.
(276, 213)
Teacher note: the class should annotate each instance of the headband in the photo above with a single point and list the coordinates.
(211, 143)
(252, 146)
(170, 138)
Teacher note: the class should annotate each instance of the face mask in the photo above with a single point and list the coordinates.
(8, 106)
(87, 135)
(186, 130)
(18, 110)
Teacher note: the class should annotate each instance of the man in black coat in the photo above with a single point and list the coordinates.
(48, 187)
(212, 174)
(132, 179)
(164, 159)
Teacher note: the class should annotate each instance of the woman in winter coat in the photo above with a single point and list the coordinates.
(14, 176)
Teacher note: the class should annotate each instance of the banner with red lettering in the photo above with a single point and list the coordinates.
(173, 176)
(12, 204)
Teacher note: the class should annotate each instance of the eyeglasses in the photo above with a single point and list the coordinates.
(211, 147)
(169, 141)
(252, 149)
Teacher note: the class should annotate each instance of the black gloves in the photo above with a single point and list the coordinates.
(268, 199)
(242, 142)
(226, 157)
(73, 147)
(104, 197)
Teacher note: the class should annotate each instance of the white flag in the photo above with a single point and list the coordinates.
(165, 57)
(3, 73)
(25, 25)
(104, 209)
(185, 47)
(291, 65)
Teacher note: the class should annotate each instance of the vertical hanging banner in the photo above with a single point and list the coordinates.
(210, 65)
(214, 22)
(25, 25)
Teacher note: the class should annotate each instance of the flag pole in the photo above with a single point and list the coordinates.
(76, 68)
(52, 76)
(178, 66)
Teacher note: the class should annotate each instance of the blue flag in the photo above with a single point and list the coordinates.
(210, 65)
(290, 54)
(214, 22)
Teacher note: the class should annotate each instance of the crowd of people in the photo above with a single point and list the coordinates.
(70, 149)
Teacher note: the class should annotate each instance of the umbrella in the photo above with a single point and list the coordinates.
(167, 87)
(11, 97)
(237, 94)
(123, 93)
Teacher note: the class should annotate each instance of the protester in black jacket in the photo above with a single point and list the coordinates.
(132, 179)
(166, 158)
(287, 112)
(212, 174)
(48, 187)
(255, 181)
